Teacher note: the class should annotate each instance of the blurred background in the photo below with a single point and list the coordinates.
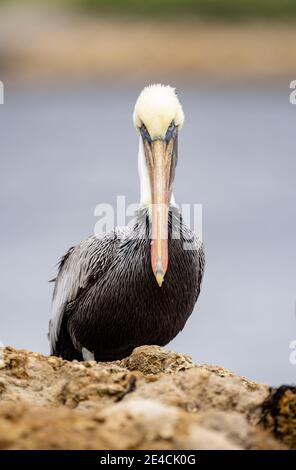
(72, 71)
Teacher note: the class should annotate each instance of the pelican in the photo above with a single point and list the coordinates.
(138, 284)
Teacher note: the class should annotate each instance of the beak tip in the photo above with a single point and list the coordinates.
(159, 278)
(159, 273)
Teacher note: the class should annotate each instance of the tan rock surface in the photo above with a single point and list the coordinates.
(153, 399)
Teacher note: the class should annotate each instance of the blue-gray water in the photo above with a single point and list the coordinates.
(63, 151)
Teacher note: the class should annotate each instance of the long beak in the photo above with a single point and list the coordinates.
(159, 153)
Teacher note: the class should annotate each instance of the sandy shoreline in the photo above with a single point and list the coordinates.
(38, 45)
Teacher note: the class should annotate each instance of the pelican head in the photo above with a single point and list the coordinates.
(158, 116)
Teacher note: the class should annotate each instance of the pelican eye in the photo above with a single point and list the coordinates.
(171, 131)
(144, 133)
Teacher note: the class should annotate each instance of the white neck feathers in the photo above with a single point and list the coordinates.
(145, 189)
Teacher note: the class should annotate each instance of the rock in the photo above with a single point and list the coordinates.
(279, 414)
(154, 360)
(153, 399)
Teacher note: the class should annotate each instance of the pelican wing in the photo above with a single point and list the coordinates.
(78, 269)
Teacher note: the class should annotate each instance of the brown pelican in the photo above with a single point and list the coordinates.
(138, 284)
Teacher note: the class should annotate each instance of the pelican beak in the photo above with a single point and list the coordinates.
(161, 161)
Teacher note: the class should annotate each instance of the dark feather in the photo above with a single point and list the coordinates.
(106, 298)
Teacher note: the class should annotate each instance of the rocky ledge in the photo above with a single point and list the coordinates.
(153, 399)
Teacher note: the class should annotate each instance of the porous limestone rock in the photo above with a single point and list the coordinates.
(154, 399)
